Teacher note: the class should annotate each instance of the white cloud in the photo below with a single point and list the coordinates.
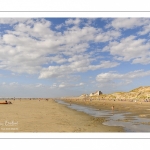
(115, 79)
(107, 36)
(31, 46)
(12, 21)
(142, 60)
(54, 85)
(90, 21)
(59, 59)
(76, 21)
(62, 85)
(59, 26)
(130, 48)
(81, 84)
(39, 85)
(13, 83)
(74, 67)
(127, 23)
(145, 30)
(65, 85)
(68, 85)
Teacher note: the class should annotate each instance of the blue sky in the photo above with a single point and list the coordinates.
(53, 57)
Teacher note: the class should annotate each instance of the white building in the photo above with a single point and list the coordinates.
(96, 93)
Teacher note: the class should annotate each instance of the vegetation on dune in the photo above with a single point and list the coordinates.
(139, 93)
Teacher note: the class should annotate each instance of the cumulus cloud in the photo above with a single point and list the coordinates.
(145, 30)
(130, 48)
(68, 22)
(12, 21)
(81, 84)
(59, 26)
(107, 36)
(13, 83)
(33, 45)
(73, 21)
(59, 59)
(90, 21)
(127, 23)
(68, 85)
(115, 79)
(39, 85)
(74, 67)
(62, 85)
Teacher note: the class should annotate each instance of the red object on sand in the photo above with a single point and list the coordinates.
(3, 103)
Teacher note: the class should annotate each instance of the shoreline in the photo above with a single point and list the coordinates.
(135, 108)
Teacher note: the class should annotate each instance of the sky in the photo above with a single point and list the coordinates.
(57, 57)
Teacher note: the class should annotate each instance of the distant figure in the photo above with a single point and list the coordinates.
(112, 107)
(8, 102)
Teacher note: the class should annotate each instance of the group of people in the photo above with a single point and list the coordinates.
(147, 100)
(8, 102)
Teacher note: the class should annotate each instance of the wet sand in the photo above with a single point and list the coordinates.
(135, 108)
(48, 116)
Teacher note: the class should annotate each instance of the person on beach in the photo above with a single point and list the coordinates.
(112, 107)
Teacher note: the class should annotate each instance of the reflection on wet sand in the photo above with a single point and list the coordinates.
(114, 118)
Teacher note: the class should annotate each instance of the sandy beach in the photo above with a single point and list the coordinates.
(27, 115)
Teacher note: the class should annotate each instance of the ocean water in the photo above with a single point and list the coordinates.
(114, 118)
